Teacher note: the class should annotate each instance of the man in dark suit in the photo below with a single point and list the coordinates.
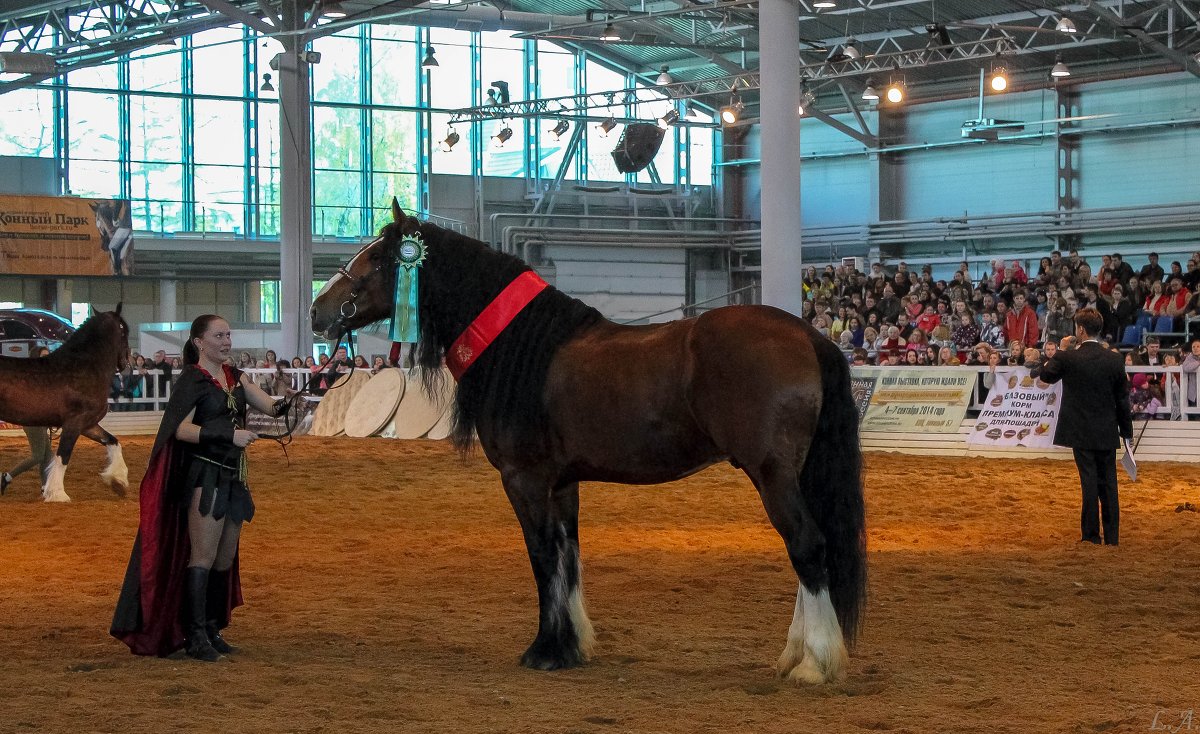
(1093, 419)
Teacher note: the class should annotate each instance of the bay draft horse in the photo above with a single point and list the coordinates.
(68, 389)
(564, 396)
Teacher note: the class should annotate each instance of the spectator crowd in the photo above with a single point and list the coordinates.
(904, 318)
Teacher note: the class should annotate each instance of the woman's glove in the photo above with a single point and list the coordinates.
(216, 432)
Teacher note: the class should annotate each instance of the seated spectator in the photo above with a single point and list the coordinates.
(268, 361)
(279, 382)
(1191, 363)
(917, 341)
(377, 364)
(360, 362)
(1153, 316)
(1141, 401)
(992, 332)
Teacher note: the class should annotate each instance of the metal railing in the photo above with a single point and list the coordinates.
(152, 398)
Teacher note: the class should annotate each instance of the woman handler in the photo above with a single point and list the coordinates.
(182, 581)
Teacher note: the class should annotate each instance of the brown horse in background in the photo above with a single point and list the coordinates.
(68, 389)
(563, 396)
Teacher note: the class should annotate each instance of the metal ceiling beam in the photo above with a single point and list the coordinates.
(235, 13)
(1124, 25)
(747, 80)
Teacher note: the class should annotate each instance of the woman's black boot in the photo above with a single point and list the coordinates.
(198, 644)
(218, 608)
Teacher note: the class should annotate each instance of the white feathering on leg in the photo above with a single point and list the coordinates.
(53, 490)
(116, 473)
(579, 618)
(793, 651)
(825, 657)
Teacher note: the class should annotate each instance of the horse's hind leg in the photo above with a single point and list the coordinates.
(549, 519)
(53, 489)
(115, 474)
(815, 650)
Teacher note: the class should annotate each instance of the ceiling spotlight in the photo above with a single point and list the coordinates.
(731, 111)
(1065, 25)
(1060, 69)
(607, 126)
(999, 80)
(609, 34)
(664, 76)
(267, 86)
(452, 138)
(333, 9)
(870, 94)
(559, 129)
(823, 4)
(502, 137)
(807, 100)
(850, 50)
(501, 94)
(429, 61)
(668, 119)
(938, 35)
(895, 93)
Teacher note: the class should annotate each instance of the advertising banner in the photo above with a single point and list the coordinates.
(1020, 411)
(62, 235)
(928, 400)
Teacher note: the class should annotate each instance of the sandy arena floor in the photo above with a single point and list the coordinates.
(388, 589)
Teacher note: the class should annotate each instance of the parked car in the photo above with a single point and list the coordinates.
(22, 330)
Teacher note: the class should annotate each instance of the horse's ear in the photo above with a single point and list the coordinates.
(118, 308)
(91, 310)
(397, 213)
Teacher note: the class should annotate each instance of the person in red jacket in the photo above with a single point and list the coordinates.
(1021, 323)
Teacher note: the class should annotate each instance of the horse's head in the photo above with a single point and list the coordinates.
(103, 337)
(362, 290)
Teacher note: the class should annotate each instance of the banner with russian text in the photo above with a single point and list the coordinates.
(929, 400)
(63, 235)
(1020, 411)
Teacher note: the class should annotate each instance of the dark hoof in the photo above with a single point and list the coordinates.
(120, 489)
(541, 659)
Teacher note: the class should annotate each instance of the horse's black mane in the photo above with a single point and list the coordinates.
(95, 335)
(504, 385)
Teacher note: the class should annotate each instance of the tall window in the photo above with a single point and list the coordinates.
(189, 135)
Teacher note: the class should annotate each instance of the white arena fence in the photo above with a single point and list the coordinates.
(152, 400)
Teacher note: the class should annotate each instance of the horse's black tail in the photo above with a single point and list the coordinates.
(831, 482)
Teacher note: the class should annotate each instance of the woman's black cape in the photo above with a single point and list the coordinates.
(149, 612)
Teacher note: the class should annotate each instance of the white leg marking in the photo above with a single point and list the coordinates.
(793, 651)
(53, 490)
(116, 474)
(825, 657)
(579, 617)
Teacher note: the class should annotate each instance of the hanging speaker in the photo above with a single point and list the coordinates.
(638, 145)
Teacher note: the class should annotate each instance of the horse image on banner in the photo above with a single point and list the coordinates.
(69, 390)
(558, 395)
(115, 222)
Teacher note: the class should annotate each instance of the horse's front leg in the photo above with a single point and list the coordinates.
(53, 489)
(115, 474)
(549, 518)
